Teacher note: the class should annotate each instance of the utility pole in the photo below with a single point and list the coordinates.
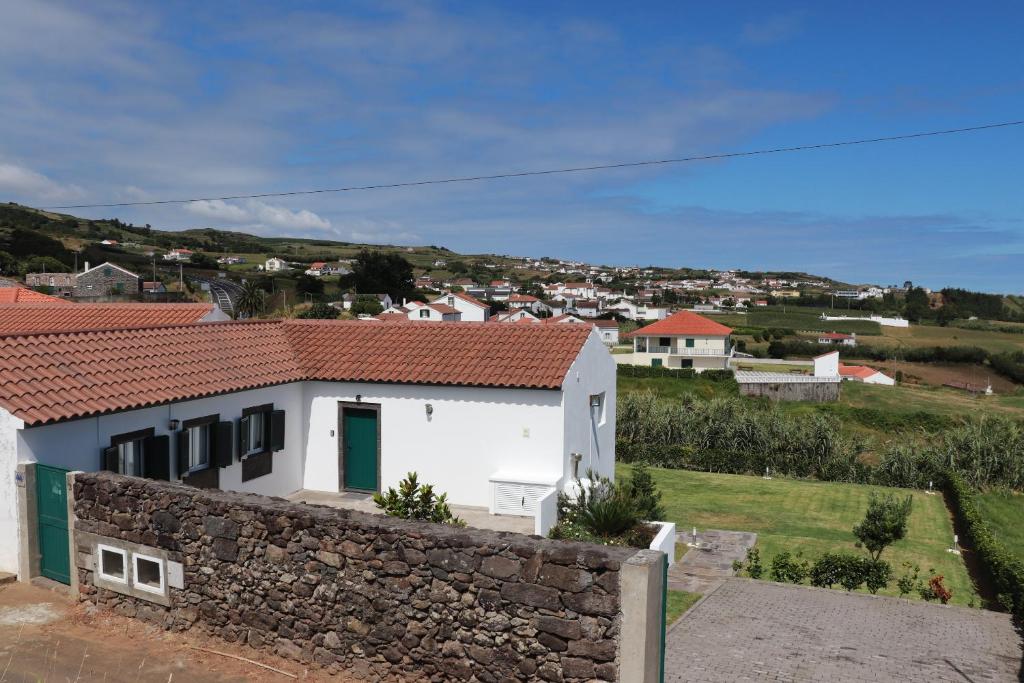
(181, 278)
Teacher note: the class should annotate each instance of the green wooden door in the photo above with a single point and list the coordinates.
(52, 506)
(359, 434)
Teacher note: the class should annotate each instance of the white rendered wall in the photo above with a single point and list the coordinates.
(471, 434)
(9, 426)
(470, 312)
(76, 445)
(586, 433)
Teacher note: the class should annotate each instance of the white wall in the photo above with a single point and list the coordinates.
(827, 365)
(470, 312)
(472, 434)
(76, 445)
(592, 436)
(8, 492)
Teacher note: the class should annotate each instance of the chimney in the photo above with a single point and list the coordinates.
(86, 266)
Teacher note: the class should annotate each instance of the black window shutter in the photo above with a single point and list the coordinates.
(111, 460)
(223, 441)
(277, 430)
(243, 436)
(156, 457)
(182, 462)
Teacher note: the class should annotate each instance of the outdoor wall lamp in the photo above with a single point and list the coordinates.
(173, 425)
(359, 398)
(430, 410)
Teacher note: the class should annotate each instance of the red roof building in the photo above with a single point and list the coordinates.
(23, 295)
(58, 315)
(683, 323)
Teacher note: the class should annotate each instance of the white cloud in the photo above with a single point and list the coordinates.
(29, 184)
(259, 214)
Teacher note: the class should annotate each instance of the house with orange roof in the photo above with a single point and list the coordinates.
(24, 295)
(862, 373)
(682, 340)
(500, 417)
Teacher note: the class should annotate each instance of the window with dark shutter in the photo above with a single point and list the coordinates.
(181, 459)
(157, 463)
(277, 430)
(127, 452)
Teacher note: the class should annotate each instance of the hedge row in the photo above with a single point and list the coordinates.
(1005, 570)
(678, 373)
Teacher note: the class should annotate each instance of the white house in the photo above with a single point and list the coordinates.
(517, 316)
(496, 416)
(178, 255)
(274, 264)
(417, 310)
(682, 340)
(837, 338)
(862, 373)
(472, 309)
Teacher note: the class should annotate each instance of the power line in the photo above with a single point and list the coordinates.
(554, 171)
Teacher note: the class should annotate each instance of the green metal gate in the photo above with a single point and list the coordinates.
(664, 614)
(52, 508)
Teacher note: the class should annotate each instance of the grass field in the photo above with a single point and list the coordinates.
(1004, 511)
(813, 517)
(800, 318)
(678, 602)
(933, 335)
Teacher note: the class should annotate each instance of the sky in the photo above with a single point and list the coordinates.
(112, 102)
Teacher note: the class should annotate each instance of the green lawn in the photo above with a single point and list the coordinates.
(800, 318)
(808, 516)
(1004, 512)
(679, 602)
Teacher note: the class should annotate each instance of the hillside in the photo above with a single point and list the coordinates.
(27, 232)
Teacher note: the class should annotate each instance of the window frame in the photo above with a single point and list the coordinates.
(100, 549)
(139, 436)
(207, 424)
(264, 411)
(161, 568)
(426, 311)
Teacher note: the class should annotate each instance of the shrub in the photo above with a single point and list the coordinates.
(936, 590)
(755, 569)
(644, 493)
(877, 574)
(910, 581)
(787, 568)
(319, 311)
(829, 569)
(885, 522)
(413, 500)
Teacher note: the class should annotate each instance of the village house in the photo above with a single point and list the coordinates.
(315, 268)
(275, 265)
(862, 373)
(349, 298)
(495, 416)
(23, 295)
(609, 331)
(587, 308)
(417, 310)
(470, 308)
(837, 338)
(153, 288)
(517, 316)
(682, 340)
(178, 255)
(530, 303)
(59, 284)
(48, 314)
(106, 279)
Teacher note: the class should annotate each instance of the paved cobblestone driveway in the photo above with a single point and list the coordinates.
(755, 631)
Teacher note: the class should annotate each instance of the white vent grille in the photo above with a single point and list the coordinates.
(513, 498)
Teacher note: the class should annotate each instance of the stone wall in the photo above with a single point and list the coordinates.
(376, 596)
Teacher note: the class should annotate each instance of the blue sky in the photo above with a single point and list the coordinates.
(108, 101)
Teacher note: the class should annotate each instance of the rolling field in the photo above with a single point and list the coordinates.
(799, 318)
(1004, 512)
(933, 335)
(812, 517)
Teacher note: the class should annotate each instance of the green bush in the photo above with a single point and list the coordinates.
(641, 489)
(413, 500)
(1004, 570)
(789, 568)
(651, 371)
(609, 513)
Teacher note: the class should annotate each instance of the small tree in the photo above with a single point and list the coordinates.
(885, 522)
(251, 300)
(644, 493)
(366, 305)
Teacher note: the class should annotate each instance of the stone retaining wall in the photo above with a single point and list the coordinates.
(377, 596)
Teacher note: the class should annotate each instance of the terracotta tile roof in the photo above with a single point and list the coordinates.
(57, 376)
(861, 371)
(522, 298)
(683, 322)
(835, 335)
(444, 309)
(24, 295)
(64, 315)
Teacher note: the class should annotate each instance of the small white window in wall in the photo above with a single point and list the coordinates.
(112, 563)
(149, 573)
(597, 408)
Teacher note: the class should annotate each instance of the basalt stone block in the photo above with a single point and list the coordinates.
(531, 594)
(219, 527)
(591, 603)
(499, 567)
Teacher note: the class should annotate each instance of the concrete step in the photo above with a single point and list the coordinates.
(7, 577)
